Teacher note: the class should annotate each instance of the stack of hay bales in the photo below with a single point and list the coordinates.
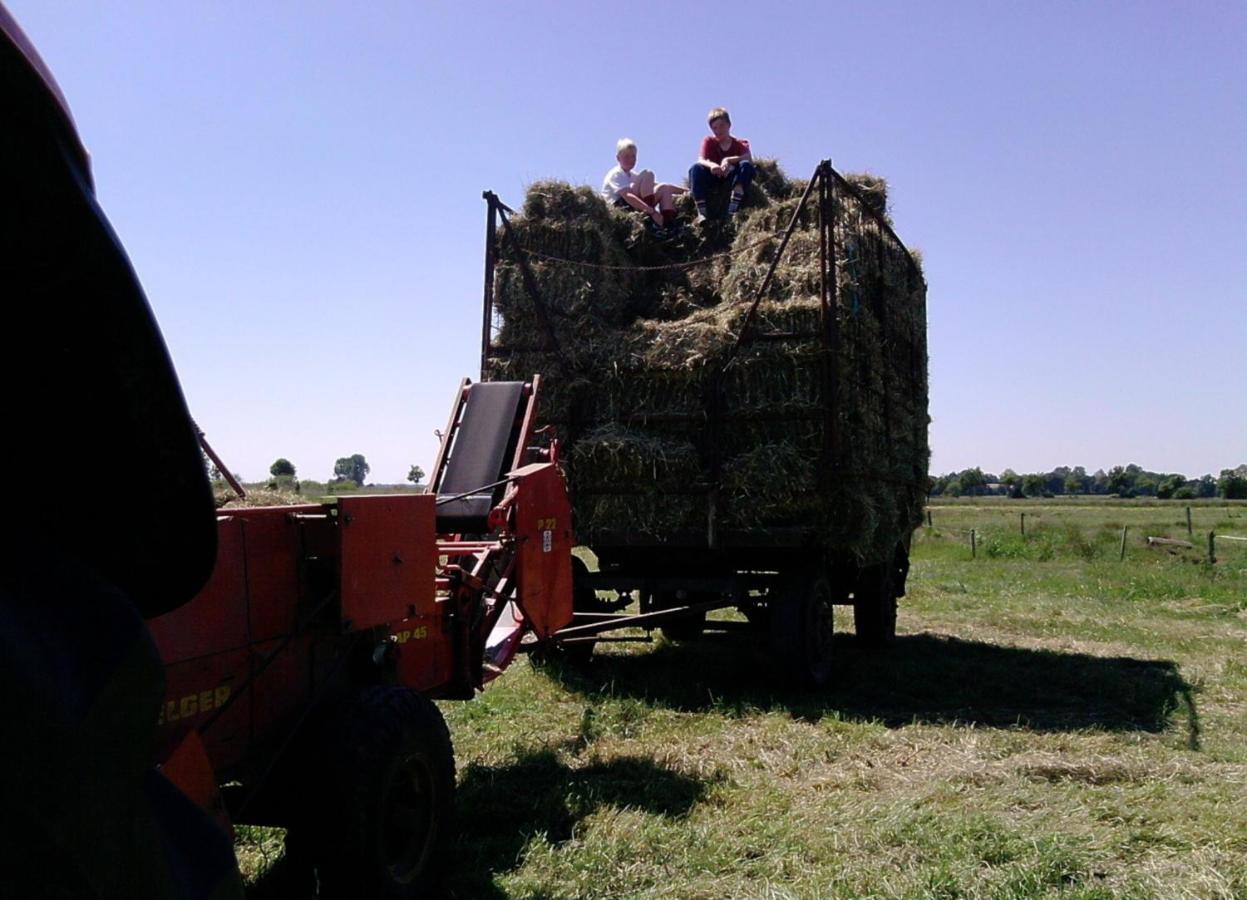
(660, 437)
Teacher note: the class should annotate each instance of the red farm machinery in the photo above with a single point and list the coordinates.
(300, 678)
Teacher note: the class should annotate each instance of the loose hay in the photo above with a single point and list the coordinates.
(659, 437)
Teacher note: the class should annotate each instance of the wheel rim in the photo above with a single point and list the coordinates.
(407, 825)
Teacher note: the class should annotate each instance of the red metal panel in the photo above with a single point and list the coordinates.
(197, 690)
(273, 544)
(189, 768)
(216, 619)
(281, 692)
(389, 556)
(543, 523)
(425, 653)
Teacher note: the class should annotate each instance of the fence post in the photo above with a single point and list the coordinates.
(1122, 555)
(973, 545)
(929, 525)
(1212, 547)
(1023, 524)
(1190, 532)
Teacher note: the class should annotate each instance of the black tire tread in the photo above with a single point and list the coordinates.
(796, 659)
(384, 721)
(874, 606)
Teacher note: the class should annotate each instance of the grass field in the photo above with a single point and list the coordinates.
(1052, 721)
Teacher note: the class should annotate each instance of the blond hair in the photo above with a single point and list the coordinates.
(718, 113)
(624, 144)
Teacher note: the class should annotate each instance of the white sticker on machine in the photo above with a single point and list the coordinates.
(547, 541)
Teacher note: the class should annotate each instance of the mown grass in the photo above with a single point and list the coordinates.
(1051, 722)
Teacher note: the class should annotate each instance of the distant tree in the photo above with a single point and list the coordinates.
(351, 468)
(1232, 485)
(972, 481)
(953, 488)
(1186, 492)
(1054, 481)
(1033, 485)
(1120, 482)
(1073, 484)
(1170, 486)
(281, 466)
(415, 475)
(1206, 486)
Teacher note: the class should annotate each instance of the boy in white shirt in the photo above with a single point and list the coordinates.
(624, 187)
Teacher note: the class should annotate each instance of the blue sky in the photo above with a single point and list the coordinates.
(298, 185)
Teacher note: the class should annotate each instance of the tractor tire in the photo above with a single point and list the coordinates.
(388, 827)
(874, 605)
(802, 623)
(690, 628)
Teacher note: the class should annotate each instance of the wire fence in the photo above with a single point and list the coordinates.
(1207, 545)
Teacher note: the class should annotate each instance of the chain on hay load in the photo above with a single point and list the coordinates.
(657, 430)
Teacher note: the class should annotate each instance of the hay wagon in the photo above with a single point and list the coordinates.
(742, 412)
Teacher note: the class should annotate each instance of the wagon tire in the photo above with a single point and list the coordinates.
(387, 827)
(874, 606)
(801, 629)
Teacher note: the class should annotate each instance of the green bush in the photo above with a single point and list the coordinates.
(1043, 543)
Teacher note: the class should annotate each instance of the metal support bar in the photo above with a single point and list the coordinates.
(530, 285)
(831, 315)
(770, 272)
(721, 584)
(220, 466)
(643, 620)
(491, 238)
(630, 639)
(841, 181)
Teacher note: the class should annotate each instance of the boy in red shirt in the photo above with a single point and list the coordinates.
(722, 157)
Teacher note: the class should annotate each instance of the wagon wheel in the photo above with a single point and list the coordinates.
(802, 626)
(874, 601)
(386, 828)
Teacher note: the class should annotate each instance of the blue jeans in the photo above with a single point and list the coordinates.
(701, 182)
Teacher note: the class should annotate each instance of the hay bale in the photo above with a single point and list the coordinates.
(636, 480)
(653, 423)
(872, 189)
(773, 183)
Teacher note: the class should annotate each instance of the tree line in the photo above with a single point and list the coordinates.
(347, 471)
(1121, 481)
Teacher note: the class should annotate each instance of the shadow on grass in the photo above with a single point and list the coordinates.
(502, 807)
(922, 678)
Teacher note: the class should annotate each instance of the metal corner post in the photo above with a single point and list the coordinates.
(487, 315)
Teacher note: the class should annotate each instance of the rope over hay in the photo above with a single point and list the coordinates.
(689, 264)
